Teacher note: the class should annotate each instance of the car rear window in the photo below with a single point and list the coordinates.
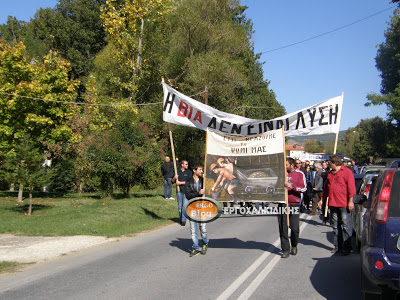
(394, 203)
(358, 182)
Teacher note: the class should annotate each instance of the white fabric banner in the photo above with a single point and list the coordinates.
(320, 118)
(245, 168)
(267, 143)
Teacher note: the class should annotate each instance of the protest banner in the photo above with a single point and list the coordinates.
(243, 168)
(320, 118)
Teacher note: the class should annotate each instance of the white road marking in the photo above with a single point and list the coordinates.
(259, 279)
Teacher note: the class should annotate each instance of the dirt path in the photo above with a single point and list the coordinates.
(39, 249)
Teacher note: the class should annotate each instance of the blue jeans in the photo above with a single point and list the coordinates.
(181, 198)
(203, 231)
(342, 227)
(167, 188)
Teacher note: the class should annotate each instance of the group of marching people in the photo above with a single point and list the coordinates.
(334, 186)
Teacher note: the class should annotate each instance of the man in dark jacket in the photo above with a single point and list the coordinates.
(167, 171)
(317, 187)
(194, 188)
(184, 174)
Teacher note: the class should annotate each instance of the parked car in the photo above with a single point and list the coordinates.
(359, 211)
(358, 179)
(395, 164)
(380, 244)
(370, 168)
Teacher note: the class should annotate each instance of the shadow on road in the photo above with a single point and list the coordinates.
(337, 277)
(231, 243)
(313, 243)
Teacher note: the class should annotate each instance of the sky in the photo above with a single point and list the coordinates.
(324, 67)
(310, 72)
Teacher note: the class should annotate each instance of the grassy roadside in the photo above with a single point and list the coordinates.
(10, 267)
(86, 214)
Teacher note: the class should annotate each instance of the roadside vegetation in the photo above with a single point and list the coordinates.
(86, 214)
(81, 116)
(11, 266)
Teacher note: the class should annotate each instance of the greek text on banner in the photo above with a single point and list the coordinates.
(320, 118)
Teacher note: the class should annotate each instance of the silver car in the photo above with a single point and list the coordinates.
(359, 211)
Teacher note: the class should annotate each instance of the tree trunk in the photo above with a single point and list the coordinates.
(139, 56)
(20, 192)
(30, 201)
(127, 188)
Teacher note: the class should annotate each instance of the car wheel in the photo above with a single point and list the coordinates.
(270, 190)
(369, 289)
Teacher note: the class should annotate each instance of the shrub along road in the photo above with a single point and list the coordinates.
(242, 262)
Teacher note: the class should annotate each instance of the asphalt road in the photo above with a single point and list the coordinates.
(243, 262)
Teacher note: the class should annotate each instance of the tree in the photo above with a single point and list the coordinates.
(367, 141)
(126, 155)
(25, 114)
(13, 31)
(23, 82)
(388, 64)
(23, 165)
(208, 43)
(74, 29)
(313, 146)
(126, 22)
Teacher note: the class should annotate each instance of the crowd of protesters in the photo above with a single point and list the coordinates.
(323, 186)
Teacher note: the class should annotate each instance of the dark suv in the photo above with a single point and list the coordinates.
(380, 250)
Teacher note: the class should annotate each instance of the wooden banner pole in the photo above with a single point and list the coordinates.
(172, 150)
(326, 207)
(205, 150)
(337, 135)
(286, 191)
(173, 154)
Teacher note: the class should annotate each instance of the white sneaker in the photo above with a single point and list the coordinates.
(171, 198)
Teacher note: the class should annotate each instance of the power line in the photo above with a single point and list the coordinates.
(80, 103)
(89, 104)
(328, 32)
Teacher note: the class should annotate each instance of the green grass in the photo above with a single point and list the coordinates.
(86, 214)
(10, 266)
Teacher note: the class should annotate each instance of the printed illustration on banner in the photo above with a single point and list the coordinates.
(242, 168)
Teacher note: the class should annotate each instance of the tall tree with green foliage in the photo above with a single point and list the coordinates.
(208, 43)
(74, 29)
(367, 141)
(388, 63)
(130, 24)
(23, 166)
(23, 82)
(126, 155)
(13, 30)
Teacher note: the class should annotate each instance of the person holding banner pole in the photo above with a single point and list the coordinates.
(296, 185)
(181, 178)
(193, 189)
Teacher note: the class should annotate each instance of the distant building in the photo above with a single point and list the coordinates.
(295, 151)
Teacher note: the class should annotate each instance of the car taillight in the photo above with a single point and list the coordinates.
(379, 264)
(384, 196)
(367, 188)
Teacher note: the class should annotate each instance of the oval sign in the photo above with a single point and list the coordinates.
(202, 210)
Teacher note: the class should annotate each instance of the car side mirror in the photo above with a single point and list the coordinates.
(359, 199)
